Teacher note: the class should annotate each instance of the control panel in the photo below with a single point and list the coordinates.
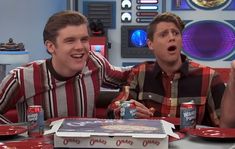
(209, 36)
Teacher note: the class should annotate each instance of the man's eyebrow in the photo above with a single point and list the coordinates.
(68, 38)
(85, 37)
(162, 32)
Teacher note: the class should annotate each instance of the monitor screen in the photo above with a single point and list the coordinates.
(134, 42)
(137, 38)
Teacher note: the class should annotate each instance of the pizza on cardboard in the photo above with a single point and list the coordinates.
(112, 133)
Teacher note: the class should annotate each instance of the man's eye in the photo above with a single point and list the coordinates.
(176, 33)
(163, 34)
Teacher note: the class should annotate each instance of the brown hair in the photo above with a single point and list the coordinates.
(164, 17)
(61, 20)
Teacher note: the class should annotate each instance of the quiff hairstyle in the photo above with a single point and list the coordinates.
(61, 20)
(164, 17)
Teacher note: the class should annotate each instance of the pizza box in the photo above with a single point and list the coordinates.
(112, 133)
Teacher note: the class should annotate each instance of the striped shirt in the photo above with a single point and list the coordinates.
(37, 83)
(151, 86)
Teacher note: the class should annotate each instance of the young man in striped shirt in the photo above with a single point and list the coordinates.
(68, 83)
(159, 87)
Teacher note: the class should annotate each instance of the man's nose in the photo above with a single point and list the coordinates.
(78, 44)
(171, 36)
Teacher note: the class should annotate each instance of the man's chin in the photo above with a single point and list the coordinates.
(79, 66)
(171, 61)
(78, 69)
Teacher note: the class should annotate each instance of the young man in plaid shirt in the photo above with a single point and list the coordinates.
(159, 87)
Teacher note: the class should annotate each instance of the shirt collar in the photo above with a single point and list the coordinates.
(184, 69)
(54, 73)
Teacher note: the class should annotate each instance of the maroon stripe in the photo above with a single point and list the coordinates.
(54, 98)
(38, 84)
(70, 98)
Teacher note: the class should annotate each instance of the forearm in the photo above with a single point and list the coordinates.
(116, 76)
(227, 110)
(228, 104)
(9, 93)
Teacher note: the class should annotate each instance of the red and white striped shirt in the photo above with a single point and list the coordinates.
(37, 83)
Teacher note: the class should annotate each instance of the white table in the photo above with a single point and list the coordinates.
(191, 142)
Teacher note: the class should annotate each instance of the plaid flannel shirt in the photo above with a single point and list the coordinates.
(151, 86)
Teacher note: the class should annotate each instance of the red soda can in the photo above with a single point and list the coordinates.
(35, 116)
(187, 116)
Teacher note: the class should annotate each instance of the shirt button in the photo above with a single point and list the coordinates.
(169, 115)
(150, 96)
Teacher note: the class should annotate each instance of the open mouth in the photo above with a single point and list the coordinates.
(77, 55)
(171, 48)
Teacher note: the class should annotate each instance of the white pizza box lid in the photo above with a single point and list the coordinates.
(56, 125)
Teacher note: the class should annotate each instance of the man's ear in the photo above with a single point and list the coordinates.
(149, 43)
(50, 46)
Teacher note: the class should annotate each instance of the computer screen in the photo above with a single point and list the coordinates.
(134, 42)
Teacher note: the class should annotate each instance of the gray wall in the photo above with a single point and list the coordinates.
(114, 35)
(24, 20)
